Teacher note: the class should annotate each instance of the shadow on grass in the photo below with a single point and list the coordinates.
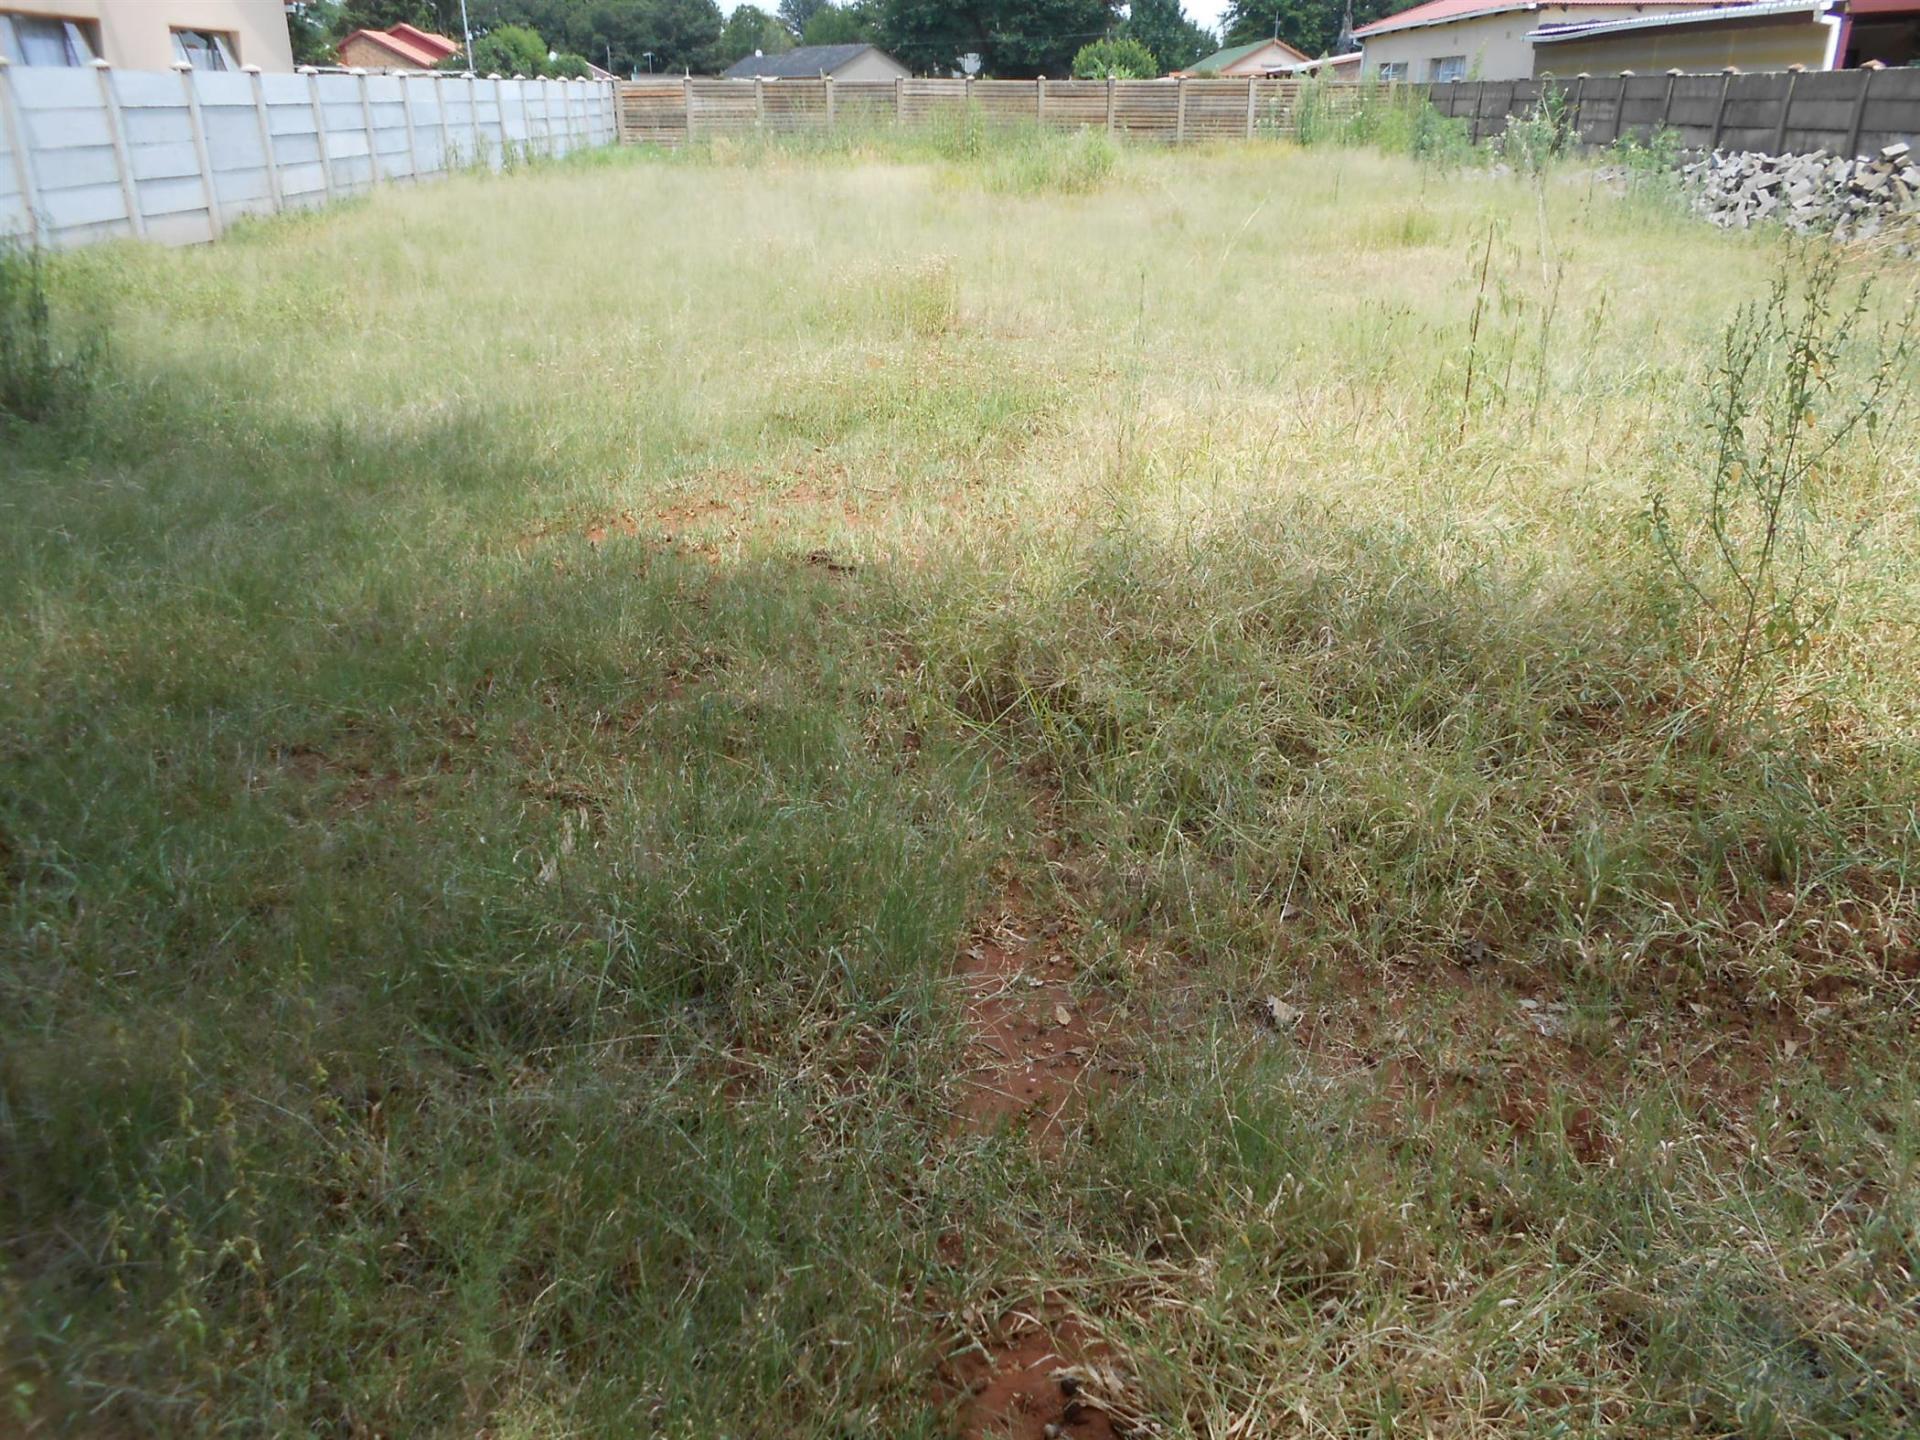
(460, 984)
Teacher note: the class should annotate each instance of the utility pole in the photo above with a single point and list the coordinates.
(466, 29)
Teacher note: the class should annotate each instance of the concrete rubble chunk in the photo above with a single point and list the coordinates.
(1814, 192)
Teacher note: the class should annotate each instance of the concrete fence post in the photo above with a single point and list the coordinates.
(1620, 105)
(686, 101)
(1720, 110)
(12, 131)
(1666, 105)
(826, 85)
(446, 125)
(197, 127)
(1252, 101)
(374, 172)
(319, 130)
(1180, 111)
(899, 102)
(413, 137)
(265, 122)
(473, 117)
(1786, 109)
(117, 128)
(1867, 72)
(1040, 100)
(500, 114)
(1579, 95)
(759, 102)
(1111, 90)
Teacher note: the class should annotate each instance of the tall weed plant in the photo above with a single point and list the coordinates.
(1803, 391)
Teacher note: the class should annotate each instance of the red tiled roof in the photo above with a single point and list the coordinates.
(1435, 12)
(425, 38)
(410, 46)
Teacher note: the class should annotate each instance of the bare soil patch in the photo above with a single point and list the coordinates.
(1035, 1380)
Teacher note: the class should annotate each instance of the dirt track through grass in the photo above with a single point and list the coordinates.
(525, 783)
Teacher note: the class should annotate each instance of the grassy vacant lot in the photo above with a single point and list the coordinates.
(572, 744)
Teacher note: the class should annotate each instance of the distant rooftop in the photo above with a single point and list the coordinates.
(1221, 59)
(410, 44)
(806, 62)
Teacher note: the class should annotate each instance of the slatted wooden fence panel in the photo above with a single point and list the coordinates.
(654, 113)
(1013, 102)
(1855, 111)
(1075, 105)
(1146, 109)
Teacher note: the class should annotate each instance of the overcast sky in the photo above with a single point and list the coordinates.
(1207, 12)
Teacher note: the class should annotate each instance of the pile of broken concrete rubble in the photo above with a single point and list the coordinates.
(1851, 198)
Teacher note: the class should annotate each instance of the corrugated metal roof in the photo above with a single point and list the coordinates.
(1719, 14)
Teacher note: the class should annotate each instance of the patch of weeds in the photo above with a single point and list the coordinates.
(1532, 142)
(1049, 162)
(41, 373)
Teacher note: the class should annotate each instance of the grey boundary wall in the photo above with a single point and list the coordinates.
(92, 153)
(1779, 112)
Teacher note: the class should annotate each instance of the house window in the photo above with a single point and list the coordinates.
(1391, 70)
(46, 40)
(1449, 68)
(204, 49)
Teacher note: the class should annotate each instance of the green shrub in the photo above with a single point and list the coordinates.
(510, 50)
(1112, 59)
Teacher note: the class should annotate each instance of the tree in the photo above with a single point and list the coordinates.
(311, 27)
(379, 14)
(1163, 27)
(440, 16)
(838, 25)
(1310, 26)
(750, 29)
(509, 50)
(1118, 59)
(681, 34)
(796, 15)
(1015, 38)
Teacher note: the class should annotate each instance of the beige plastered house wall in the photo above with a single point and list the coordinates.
(1495, 46)
(138, 34)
